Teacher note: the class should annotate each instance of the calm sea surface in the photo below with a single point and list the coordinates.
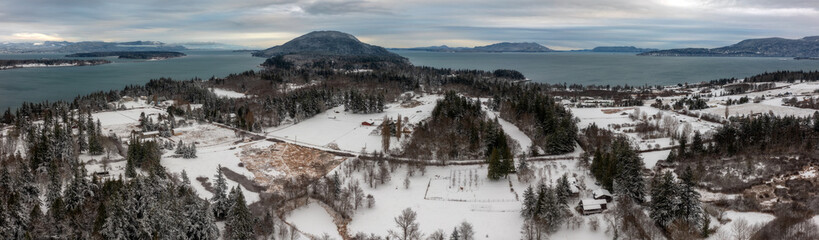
(65, 83)
(610, 68)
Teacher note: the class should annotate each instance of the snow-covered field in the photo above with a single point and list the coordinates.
(772, 101)
(727, 231)
(215, 146)
(345, 129)
(650, 158)
(446, 196)
(313, 219)
(610, 118)
(227, 93)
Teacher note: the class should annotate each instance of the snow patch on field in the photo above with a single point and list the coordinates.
(650, 158)
(313, 219)
(227, 93)
(752, 218)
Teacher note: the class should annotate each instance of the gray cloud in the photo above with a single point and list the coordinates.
(404, 23)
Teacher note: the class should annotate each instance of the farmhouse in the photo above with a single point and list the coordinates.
(591, 206)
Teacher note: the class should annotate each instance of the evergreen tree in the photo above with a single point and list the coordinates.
(550, 215)
(118, 225)
(629, 171)
(54, 188)
(180, 148)
(455, 235)
(94, 141)
(495, 167)
(529, 202)
(689, 208)
(239, 224)
(683, 146)
(697, 145)
(663, 194)
(563, 190)
(221, 205)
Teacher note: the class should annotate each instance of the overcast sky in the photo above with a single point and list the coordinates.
(560, 24)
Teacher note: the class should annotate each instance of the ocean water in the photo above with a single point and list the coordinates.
(64, 83)
(610, 68)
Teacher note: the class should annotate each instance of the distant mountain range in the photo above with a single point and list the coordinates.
(130, 54)
(762, 47)
(89, 46)
(329, 44)
(497, 47)
(625, 49)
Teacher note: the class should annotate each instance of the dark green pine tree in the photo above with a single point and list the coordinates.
(816, 121)
(697, 145)
(454, 235)
(99, 221)
(682, 150)
(495, 167)
(629, 175)
(239, 224)
(529, 202)
(94, 144)
(221, 204)
(563, 190)
(689, 208)
(663, 194)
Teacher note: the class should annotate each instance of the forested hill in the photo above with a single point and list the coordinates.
(131, 55)
(762, 47)
(27, 63)
(329, 44)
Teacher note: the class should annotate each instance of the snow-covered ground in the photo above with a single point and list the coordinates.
(313, 219)
(123, 122)
(447, 196)
(773, 101)
(215, 146)
(611, 118)
(510, 129)
(650, 158)
(345, 129)
(727, 231)
(227, 93)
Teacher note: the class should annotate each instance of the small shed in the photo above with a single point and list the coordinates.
(591, 206)
(602, 194)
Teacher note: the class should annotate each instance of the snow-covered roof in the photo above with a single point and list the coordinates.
(601, 192)
(150, 133)
(589, 202)
(592, 207)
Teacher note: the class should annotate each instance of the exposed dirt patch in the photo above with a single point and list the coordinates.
(283, 160)
(615, 110)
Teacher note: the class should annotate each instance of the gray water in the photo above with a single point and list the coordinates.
(64, 83)
(611, 68)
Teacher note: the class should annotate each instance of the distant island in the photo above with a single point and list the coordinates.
(624, 49)
(155, 55)
(763, 47)
(497, 47)
(88, 46)
(32, 63)
(328, 46)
